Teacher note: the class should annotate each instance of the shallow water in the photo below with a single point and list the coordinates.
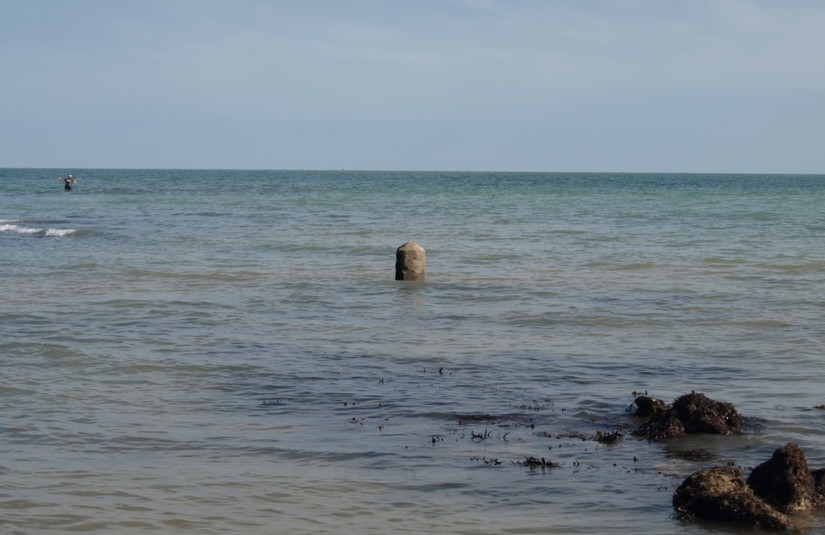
(226, 351)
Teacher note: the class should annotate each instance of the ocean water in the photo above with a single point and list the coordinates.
(226, 352)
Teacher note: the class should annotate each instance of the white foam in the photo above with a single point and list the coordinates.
(51, 232)
(59, 232)
(18, 229)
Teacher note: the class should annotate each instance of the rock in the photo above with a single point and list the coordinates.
(700, 414)
(648, 406)
(722, 494)
(659, 424)
(662, 426)
(691, 413)
(819, 483)
(409, 262)
(785, 481)
(777, 488)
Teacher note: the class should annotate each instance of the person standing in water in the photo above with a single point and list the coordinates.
(68, 182)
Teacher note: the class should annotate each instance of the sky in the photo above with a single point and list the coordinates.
(729, 86)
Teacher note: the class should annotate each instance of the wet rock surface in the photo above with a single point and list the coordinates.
(775, 490)
(648, 407)
(785, 481)
(690, 413)
(722, 494)
(819, 482)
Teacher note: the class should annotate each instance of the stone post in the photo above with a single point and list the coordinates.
(409, 262)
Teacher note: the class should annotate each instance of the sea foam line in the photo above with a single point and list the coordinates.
(18, 229)
(52, 232)
(59, 232)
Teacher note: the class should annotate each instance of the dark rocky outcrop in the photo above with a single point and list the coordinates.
(722, 494)
(776, 489)
(785, 482)
(690, 413)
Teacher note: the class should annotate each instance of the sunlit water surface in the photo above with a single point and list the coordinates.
(226, 352)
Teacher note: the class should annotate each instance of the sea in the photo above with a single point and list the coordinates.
(228, 351)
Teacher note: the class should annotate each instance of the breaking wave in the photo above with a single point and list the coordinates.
(13, 228)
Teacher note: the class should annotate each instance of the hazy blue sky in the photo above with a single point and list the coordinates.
(536, 85)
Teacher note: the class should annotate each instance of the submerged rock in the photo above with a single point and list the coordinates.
(691, 413)
(722, 494)
(785, 481)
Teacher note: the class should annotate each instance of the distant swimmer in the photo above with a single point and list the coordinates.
(68, 182)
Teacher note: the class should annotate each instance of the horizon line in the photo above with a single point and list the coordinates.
(330, 170)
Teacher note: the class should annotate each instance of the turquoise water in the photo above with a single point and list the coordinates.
(227, 351)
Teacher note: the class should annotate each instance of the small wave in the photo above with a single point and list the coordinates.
(17, 229)
(60, 232)
(723, 261)
(231, 276)
(812, 266)
(50, 232)
(763, 324)
(635, 266)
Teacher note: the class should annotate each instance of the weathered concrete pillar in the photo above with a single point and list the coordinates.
(409, 262)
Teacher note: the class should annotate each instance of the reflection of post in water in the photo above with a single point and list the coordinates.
(409, 262)
(68, 182)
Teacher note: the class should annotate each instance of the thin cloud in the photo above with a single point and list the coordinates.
(605, 73)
